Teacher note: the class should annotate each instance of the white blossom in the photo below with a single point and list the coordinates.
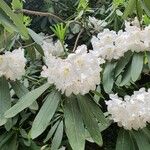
(78, 73)
(131, 113)
(112, 45)
(12, 64)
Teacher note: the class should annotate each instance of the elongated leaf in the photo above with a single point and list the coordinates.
(5, 138)
(48, 109)
(26, 101)
(108, 77)
(90, 120)
(21, 90)
(5, 99)
(96, 110)
(139, 10)
(136, 66)
(126, 77)
(146, 6)
(148, 58)
(6, 21)
(122, 63)
(124, 141)
(15, 18)
(141, 140)
(37, 38)
(130, 8)
(74, 124)
(57, 137)
(51, 132)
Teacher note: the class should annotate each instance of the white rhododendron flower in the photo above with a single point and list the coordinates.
(12, 64)
(78, 73)
(54, 48)
(133, 112)
(111, 45)
(97, 24)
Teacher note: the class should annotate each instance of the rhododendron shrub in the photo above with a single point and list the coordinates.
(74, 75)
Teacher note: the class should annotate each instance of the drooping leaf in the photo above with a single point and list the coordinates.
(141, 140)
(136, 66)
(148, 58)
(26, 101)
(96, 110)
(108, 77)
(126, 77)
(51, 132)
(122, 63)
(36, 37)
(21, 90)
(124, 141)
(90, 120)
(57, 137)
(74, 124)
(48, 109)
(5, 99)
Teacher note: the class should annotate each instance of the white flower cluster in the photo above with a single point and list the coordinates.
(98, 25)
(78, 73)
(50, 47)
(133, 112)
(111, 45)
(12, 64)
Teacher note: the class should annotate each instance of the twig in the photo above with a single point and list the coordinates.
(77, 39)
(37, 13)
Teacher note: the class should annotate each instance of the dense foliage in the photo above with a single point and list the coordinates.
(74, 74)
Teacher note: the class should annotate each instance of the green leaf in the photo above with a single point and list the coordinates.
(4, 138)
(21, 90)
(36, 37)
(96, 110)
(89, 120)
(108, 77)
(141, 140)
(148, 58)
(122, 63)
(57, 137)
(74, 124)
(146, 6)
(26, 101)
(48, 109)
(139, 10)
(15, 18)
(129, 9)
(7, 22)
(5, 99)
(51, 132)
(126, 77)
(136, 66)
(124, 141)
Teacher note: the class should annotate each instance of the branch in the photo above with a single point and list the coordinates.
(77, 39)
(37, 13)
